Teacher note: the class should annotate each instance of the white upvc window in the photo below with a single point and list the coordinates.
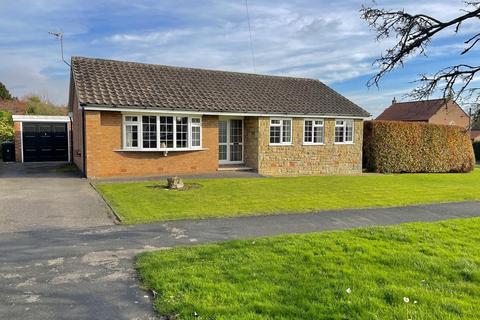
(313, 131)
(343, 131)
(280, 131)
(149, 132)
(131, 132)
(162, 132)
(196, 132)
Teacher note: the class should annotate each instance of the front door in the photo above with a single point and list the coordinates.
(230, 141)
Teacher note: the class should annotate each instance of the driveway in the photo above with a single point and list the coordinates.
(88, 274)
(48, 196)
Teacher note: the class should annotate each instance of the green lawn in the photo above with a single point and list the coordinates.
(435, 265)
(138, 202)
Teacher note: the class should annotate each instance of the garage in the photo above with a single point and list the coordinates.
(42, 138)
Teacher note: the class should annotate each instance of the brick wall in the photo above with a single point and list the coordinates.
(18, 141)
(77, 130)
(450, 114)
(299, 159)
(104, 139)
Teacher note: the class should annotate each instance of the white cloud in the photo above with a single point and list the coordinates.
(325, 40)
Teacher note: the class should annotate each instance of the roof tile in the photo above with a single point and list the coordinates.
(139, 85)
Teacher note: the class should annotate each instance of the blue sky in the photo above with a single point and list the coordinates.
(319, 39)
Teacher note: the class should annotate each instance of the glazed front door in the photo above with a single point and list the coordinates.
(230, 141)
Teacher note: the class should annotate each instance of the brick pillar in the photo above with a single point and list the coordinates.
(18, 140)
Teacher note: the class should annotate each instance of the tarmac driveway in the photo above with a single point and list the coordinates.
(37, 196)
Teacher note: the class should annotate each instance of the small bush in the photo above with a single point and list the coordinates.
(476, 150)
(395, 147)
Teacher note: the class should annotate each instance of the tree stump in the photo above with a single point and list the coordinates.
(175, 183)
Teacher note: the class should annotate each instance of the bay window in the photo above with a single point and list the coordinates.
(152, 132)
(313, 131)
(280, 131)
(344, 131)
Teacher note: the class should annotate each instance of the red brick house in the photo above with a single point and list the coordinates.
(135, 119)
(438, 111)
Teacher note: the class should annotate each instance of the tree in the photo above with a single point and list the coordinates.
(413, 33)
(38, 106)
(4, 93)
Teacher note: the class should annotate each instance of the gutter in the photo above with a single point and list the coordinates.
(246, 114)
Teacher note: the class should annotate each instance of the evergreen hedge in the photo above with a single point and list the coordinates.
(396, 147)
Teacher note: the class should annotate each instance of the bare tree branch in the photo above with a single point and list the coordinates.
(413, 34)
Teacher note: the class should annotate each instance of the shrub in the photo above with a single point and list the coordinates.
(396, 147)
(6, 126)
(476, 150)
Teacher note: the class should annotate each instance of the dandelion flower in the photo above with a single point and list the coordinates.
(415, 301)
(349, 290)
(406, 299)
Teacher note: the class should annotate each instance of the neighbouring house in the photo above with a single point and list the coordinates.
(13, 106)
(437, 111)
(475, 131)
(136, 119)
(475, 135)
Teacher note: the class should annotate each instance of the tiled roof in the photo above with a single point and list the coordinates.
(412, 110)
(137, 85)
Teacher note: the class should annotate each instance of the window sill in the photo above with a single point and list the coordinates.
(160, 150)
(340, 143)
(313, 144)
(280, 144)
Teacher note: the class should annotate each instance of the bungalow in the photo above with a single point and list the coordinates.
(136, 119)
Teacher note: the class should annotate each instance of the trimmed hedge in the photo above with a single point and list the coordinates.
(396, 147)
(476, 150)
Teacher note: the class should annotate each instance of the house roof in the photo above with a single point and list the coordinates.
(13, 106)
(413, 110)
(120, 84)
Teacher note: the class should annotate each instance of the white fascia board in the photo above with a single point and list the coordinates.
(229, 114)
(32, 118)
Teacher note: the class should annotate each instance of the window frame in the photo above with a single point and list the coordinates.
(281, 125)
(344, 126)
(313, 143)
(132, 123)
(190, 130)
(139, 125)
(157, 142)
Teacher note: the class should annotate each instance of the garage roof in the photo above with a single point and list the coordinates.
(34, 118)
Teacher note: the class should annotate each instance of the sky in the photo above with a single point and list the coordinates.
(319, 39)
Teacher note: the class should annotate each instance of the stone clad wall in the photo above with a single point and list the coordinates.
(299, 159)
(251, 142)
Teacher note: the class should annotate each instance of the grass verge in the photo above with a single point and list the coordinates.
(139, 202)
(355, 274)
